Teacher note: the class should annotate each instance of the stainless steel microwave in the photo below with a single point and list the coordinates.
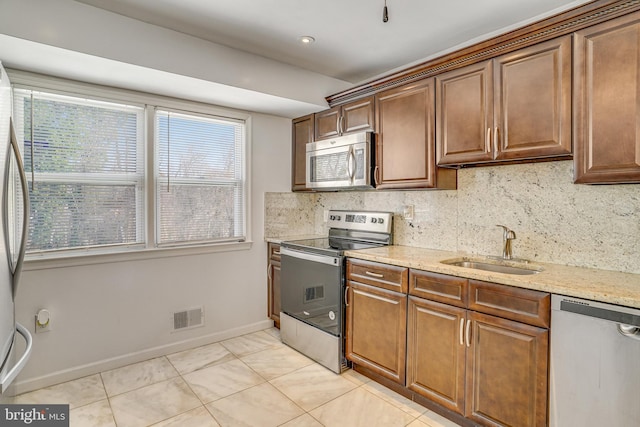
(341, 163)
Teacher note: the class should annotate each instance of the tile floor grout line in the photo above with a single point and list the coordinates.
(113, 416)
(355, 380)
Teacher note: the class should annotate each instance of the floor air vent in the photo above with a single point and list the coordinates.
(188, 319)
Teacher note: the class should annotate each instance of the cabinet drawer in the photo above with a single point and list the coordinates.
(380, 275)
(439, 287)
(521, 305)
(274, 252)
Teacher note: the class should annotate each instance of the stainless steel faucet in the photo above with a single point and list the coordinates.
(507, 237)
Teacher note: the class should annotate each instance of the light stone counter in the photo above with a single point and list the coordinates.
(599, 285)
(280, 239)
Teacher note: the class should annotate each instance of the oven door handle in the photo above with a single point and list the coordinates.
(307, 256)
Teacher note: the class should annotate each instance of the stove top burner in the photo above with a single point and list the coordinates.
(349, 230)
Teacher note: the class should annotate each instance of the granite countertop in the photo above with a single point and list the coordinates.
(588, 283)
(280, 239)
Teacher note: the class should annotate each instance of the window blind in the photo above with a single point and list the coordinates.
(84, 161)
(200, 179)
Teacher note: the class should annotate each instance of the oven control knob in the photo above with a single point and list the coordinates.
(374, 220)
(380, 220)
(338, 218)
(332, 217)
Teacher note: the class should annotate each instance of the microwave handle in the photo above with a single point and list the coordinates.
(351, 163)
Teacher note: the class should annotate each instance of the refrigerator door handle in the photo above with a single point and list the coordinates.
(13, 373)
(25, 209)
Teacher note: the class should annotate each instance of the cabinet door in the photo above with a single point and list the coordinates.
(302, 134)
(327, 123)
(464, 115)
(357, 116)
(273, 284)
(532, 101)
(405, 146)
(436, 352)
(506, 372)
(376, 330)
(606, 93)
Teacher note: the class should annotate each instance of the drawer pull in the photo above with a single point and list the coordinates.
(276, 252)
(379, 276)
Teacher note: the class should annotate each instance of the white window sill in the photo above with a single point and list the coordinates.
(44, 262)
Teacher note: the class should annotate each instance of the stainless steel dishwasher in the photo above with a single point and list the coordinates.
(595, 364)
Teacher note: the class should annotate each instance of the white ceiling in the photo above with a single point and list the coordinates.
(245, 54)
(352, 42)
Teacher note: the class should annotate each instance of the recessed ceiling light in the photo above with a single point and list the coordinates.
(307, 39)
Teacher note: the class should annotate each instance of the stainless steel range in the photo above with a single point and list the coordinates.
(313, 283)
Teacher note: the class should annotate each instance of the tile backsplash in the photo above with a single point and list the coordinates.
(554, 220)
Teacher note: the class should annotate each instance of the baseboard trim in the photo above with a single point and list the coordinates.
(74, 373)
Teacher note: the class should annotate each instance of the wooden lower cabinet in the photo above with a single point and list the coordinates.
(376, 330)
(273, 283)
(494, 374)
(435, 356)
(506, 372)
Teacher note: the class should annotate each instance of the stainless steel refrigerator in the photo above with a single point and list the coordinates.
(14, 214)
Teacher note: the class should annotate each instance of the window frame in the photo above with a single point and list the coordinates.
(150, 249)
(181, 181)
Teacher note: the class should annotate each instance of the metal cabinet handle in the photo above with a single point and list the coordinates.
(462, 331)
(346, 296)
(375, 175)
(379, 276)
(488, 140)
(276, 252)
(496, 139)
(340, 123)
(269, 271)
(468, 333)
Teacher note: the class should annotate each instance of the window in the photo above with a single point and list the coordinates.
(84, 161)
(200, 186)
(90, 190)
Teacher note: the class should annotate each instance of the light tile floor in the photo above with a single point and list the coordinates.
(252, 380)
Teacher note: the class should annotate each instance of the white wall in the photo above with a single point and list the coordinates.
(108, 315)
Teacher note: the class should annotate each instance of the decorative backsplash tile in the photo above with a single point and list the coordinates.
(554, 220)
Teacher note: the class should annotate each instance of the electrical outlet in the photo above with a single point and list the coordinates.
(43, 321)
(408, 212)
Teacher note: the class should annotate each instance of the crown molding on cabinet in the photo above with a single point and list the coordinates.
(558, 25)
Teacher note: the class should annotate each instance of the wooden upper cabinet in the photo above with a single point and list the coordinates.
(356, 116)
(606, 124)
(532, 88)
(516, 106)
(405, 148)
(464, 109)
(302, 134)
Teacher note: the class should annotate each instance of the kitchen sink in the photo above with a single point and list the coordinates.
(495, 265)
